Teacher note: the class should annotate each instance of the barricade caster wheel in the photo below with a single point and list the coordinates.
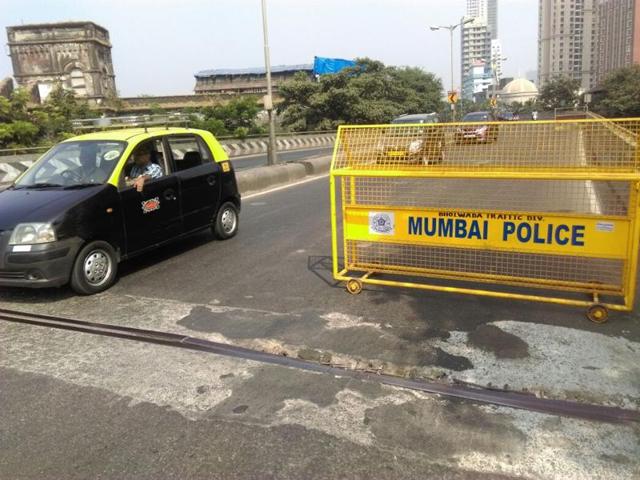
(354, 287)
(598, 313)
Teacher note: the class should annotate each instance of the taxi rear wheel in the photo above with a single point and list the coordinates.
(226, 224)
(94, 269)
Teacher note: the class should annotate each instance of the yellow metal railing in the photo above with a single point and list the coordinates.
(546, 204)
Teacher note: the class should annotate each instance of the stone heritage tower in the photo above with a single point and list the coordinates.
(75, 54)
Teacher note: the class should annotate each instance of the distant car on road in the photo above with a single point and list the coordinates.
(100, 198)
(508, 116)
(416, 118)
(414, 145)
(484, 133)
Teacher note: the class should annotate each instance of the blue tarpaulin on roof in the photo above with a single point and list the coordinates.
(323, 65)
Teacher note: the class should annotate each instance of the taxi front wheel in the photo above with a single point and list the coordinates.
(226, 224)
(94, 269)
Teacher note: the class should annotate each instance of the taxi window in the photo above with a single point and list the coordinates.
(188, 152)
(74, 164)
(157, 157)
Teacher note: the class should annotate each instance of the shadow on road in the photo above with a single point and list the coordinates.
(321, 267)
(126, 268)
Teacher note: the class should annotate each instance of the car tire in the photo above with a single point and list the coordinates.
(226, 224)
(94, 269)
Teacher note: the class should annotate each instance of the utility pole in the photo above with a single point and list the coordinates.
(272, 157)
(494, 71)
(451, 28)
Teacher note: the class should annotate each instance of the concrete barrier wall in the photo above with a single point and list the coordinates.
(12, 165)
(236, 148)
(261, 178)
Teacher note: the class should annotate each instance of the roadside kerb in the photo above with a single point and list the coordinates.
(262, 178)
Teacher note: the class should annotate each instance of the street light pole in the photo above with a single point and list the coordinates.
(453, 105)
(272, 158)
(451, 28)
(494, 64)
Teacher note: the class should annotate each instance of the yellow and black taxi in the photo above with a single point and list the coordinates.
(97, 199)
(420, 142)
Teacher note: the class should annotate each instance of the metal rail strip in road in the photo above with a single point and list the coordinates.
(478, 394)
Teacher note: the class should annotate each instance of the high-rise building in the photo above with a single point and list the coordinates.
(618, 43)
(567, 35)
(476, 47)
(496, 59)
(487, 10)
(477, 82)
(76, 55)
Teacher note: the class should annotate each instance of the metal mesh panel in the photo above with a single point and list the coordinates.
(597, 145)
(422, 259)
(518, 195)
(400, 186)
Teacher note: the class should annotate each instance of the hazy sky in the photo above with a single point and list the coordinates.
(158, 45)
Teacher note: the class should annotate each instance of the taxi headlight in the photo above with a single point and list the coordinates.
(32, 233)
(415, 146)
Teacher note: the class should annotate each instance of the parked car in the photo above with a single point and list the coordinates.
(76, 213)
(480, 132)
(414, 145)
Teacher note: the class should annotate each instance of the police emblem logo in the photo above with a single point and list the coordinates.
(381, 223)
(151, 205)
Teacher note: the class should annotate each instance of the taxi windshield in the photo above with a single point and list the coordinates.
(74, 164)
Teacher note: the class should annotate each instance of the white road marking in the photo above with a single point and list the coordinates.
(283, 187)
(594, 203)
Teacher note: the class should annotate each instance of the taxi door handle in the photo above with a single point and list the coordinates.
(211, 180)
(170, 194)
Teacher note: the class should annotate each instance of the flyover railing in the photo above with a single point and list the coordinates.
(548, 205)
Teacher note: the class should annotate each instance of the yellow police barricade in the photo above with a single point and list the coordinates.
(546, 204)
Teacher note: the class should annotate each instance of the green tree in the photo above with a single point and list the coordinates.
(23, 132)
(237, 117)
(559, 92)
(621, 93)
(156, 109)
(16, 126)
(22, 125)
(60, 107)
(521, 108)
(18, 104)
(369, 92)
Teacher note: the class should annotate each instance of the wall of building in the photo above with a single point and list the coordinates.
(241, 83)
(75, 54)
(475, 45)
(567, 35)
(488, 11)
(618, 36)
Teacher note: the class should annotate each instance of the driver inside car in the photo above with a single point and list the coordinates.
(143, 169)
(86, 172)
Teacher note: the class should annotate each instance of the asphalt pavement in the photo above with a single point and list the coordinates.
(78, 406)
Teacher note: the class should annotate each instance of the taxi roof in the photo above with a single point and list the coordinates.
(126, 134)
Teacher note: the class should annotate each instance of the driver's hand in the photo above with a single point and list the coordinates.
(139, 183)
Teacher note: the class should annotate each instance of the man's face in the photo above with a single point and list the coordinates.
(141, 158)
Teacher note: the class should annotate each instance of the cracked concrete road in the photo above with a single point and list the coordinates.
(78, 406)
